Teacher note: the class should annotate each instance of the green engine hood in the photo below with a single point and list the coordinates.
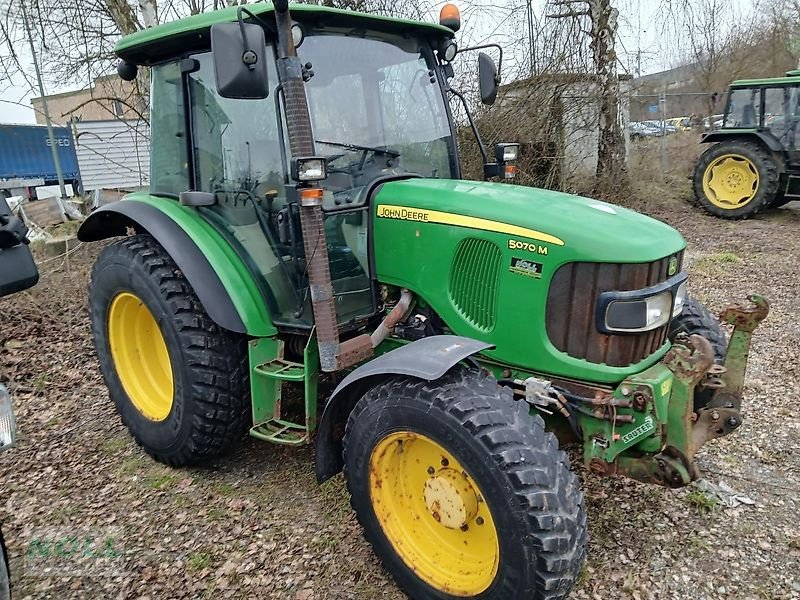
(483, 255)
(604, 232)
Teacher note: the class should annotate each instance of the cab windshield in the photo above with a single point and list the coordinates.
(376, 110)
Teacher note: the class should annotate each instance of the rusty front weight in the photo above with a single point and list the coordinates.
(744, 320)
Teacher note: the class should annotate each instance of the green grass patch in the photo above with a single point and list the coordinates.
(716, 264)
(40, 382)
(199, 561)
(216, 514)
(701, 502)
(724, 257)
(160, 481)
(225, 489)
(699, 543)
(114, 445)
(131, 465)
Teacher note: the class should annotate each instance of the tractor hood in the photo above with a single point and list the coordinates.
(586, 229)
(522, 269)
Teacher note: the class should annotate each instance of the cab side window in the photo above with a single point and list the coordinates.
(236, 142)
(169, 157)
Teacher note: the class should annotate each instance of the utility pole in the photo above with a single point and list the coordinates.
(50, 135)
(529, 15)
(611, 141)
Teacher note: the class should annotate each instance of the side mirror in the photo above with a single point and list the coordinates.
(17, 270)
(487, 78)
(240, 60)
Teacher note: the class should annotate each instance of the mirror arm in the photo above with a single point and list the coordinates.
(481, 147)
(265, 24)
(483, 47)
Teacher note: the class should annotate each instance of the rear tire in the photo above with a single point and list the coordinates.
(206, 373)
(502, 452)
(734, 197)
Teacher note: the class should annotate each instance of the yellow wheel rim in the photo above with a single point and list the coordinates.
(140, 356)
(433, 514)
(730, 181)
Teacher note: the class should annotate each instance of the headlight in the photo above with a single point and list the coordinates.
(641, 310)
(506, 152)
(8, 426)
(630, 316)
(297, 35)
(309, 168)
(449, 50)
(680, 300)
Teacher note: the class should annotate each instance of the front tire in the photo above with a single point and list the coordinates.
(180, 383)
(461, 492)
(735, 179)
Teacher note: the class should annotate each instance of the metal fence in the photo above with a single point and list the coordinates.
(665, 129)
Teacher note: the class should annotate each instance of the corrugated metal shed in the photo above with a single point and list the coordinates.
(113, 154)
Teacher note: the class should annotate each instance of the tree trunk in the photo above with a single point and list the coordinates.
(611, 169)
(149, 13)
(123, 16)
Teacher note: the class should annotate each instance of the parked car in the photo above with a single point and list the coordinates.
(663, 126)
(17, 272)
(681, 123)
(643, 129)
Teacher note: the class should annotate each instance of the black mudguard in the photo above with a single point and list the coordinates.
(764, 137)
(428, 358)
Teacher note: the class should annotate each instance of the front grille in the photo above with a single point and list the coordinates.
(571, 303)
(474, 281)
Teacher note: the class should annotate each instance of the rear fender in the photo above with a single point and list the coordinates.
(428, 359)
(223, 283)
(761, 137)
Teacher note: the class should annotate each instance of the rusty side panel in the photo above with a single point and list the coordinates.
(570, 313)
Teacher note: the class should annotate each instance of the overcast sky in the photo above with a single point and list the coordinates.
(638, 30)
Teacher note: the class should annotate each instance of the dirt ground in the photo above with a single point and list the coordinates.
(256, 525)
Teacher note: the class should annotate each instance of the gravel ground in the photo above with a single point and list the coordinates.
(256, 524)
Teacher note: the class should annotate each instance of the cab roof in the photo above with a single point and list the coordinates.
(161, 42)
(791, 78)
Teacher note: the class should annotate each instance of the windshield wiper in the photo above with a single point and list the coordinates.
(383, 150)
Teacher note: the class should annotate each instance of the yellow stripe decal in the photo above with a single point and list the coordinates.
(407, 213)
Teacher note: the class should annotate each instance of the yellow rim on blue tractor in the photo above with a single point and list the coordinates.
(434, 514)
(730, 181)
(140, 356)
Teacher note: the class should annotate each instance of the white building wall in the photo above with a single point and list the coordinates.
(113, 154)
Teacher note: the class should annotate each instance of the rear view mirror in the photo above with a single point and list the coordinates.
(487, 78)
(17, 270)
(240, 60)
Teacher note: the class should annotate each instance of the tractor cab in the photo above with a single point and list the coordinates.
(771, 107)
(376, 98)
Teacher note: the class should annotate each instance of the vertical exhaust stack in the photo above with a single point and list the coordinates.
(332, 355)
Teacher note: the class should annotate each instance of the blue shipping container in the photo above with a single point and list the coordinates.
(25, 153)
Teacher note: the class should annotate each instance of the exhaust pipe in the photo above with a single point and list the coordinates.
(333, 356)
(392, 319)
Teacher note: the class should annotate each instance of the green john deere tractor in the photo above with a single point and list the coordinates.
(306, 217)
(754, 162)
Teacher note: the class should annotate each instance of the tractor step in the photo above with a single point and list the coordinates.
(282, 369)
(279, 431)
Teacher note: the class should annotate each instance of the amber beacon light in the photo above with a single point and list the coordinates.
(450, 17)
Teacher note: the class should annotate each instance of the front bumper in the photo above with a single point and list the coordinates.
(649, 429)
